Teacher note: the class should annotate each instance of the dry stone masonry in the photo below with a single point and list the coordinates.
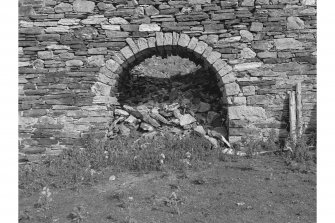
(75, 54)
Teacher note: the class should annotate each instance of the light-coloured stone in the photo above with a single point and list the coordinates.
(121, 112)
(142, 44)
(248, 3)
(213, 57)
(308, 2)
(132, 45)
(118, 21)
(246, 35)
(63, 7)
(199, 2)
(97, 60)
(83, 6)
(287, 43)
(239, 100)
(57, 29)
(151, 10)
(111, 27)
(256, 26)
(97, 51)
(92, 20)
(101, 89)
(267, 54)
(228, 78)
(199, 129)
(295, 23)
(68, 22)
(183, 40)
(146, 127)
(232, 89)
(186, 119)
(113, 66)
(212, 140)
(247, 53)
(200, 48)
(74, 63)
(247, 66)
(262, 2)
(243, 112)
(248, 90)
(44, 55)
(58, 47)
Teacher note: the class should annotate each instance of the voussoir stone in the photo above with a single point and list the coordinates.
(83, 6)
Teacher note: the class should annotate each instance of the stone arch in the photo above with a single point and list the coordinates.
(166, 43)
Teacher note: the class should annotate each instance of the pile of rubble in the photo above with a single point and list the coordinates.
(179, 105)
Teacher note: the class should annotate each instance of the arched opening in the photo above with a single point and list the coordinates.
(179, 93)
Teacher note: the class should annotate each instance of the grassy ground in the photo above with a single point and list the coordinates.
(198, 187)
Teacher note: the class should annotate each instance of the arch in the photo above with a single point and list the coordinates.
(163, 44)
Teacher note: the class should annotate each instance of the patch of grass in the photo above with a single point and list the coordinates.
(76, 167)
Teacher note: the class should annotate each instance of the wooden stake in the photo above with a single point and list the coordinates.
(292, 116)
(299, 109)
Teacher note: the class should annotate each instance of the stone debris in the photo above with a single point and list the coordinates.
(179, 105)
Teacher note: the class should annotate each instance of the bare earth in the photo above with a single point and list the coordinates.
(262, 189)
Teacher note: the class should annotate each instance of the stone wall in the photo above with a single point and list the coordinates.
(72, 54)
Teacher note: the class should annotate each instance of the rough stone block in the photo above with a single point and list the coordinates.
(97, 51)
(159, 38)
(74, 63)
(118, 21)
(63, 7)
(31, 30)
(248, 3)
(192, 44)
(295, 23)
(247, 53)
(114, 66)
(213, 56)
(57, 29)
(132, 45)
(223, 16)
(184, 39)
(247, 66)
(232, 88)
(246, 113)
(111, 27)
(248, 90)
(167, 39)
(127, 52)
(97, 61)
(105, 100)
(200, 47)
(45, 55)
(142, 44)
(116, 34)
(287, 43)
(151, 10)
(83, 6)
(93, 20)
(256, 27)
(149, 28)
(228, 78)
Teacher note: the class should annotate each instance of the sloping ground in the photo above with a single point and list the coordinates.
(262, 189)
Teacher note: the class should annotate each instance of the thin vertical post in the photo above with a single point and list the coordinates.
(299, 109)
(292, 111)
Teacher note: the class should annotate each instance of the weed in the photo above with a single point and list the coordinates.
(78, 214)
